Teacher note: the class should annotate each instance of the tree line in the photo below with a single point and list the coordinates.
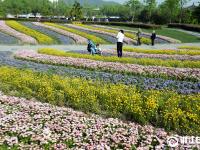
(147, 11)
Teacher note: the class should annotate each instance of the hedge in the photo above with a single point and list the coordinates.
(135, 25)
(190, 27)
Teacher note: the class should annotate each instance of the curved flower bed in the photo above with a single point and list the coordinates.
(110, 66)
(189, 47)
(158, 51)
(126, 39)
(83, 34)
(78, 39)
(132, 36)
(59, 38)
(126, 60)
(7, 39)
(41, 38)
(143, 55)
(34, 125)
(22, 37)
(168, 39)
(143, 83)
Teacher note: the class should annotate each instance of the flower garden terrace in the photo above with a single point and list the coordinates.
(54, 98)
(54, 33)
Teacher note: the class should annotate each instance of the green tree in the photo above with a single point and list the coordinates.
(134, 8)
(196, 13)
(150, 6)
(76, 11)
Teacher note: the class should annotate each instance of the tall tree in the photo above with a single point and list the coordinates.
(134, 7)
(182, 4)
(151, 5)
(196, 13)
(76, 11)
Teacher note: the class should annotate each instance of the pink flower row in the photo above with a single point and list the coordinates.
(46, 123)
(77, 38)
(22, 37)
(159, 56)
(113, 66)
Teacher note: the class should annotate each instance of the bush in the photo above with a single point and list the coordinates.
(161, 108)
(135, 25)
(190, 27)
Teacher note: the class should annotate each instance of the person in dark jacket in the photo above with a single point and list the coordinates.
(153, 37)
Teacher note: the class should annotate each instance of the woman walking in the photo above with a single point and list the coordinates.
(120, 39)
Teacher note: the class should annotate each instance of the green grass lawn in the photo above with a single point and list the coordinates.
(182, 36)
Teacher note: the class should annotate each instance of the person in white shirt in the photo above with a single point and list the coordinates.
(120, 39)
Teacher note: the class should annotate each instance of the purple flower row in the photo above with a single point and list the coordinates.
(113, 66)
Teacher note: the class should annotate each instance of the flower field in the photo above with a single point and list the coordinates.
(59, 99)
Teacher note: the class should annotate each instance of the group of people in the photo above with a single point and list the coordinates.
(95, 49)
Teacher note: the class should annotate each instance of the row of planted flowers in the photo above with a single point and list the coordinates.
(126, 60)
(10, 31)
(41, 38)
(29, 124)
(111, 52)
(179, 73)
(141, 82)
(161, 108)
(129, 35)
(158, 51)
(126, 39)
(77, 38)
(83, 34)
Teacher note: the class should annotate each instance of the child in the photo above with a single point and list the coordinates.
(98, 50)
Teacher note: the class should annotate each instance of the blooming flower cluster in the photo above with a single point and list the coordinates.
(184, 87)
(113, 66)
(34, 125)
(22, 37)
(78, 39)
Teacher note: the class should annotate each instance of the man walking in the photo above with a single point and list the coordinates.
(120, 39)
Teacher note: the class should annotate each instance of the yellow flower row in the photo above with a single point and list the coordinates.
(127, 60)
(83, 34)
(41, 38)
(162, 108)
(159, 51)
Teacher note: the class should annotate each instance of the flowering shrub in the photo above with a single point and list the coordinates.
(170, 51)
(83, 34)
(42, 39)
(141, 82)
(78, 39)
(141, 61)
(179, 73)
(157, 107)
(22, 37)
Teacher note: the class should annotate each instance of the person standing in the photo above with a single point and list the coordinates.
(120, 39)
(139, 36)
(153, 37)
